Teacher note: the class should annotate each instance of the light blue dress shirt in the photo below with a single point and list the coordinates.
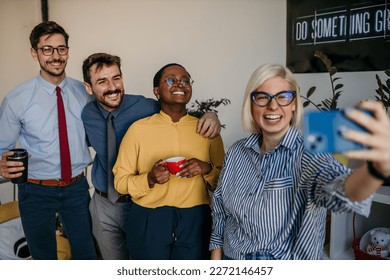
(28, 114)
(276, 202)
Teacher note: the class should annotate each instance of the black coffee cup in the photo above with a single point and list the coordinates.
(20, 155)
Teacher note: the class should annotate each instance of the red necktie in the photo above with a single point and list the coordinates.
(66, 169)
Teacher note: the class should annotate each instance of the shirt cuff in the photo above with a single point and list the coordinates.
(4, 180)
(212, 178)
(336, 188)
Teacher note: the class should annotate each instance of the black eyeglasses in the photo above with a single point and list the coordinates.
(283, 98)
(174, 80)
(48, 50)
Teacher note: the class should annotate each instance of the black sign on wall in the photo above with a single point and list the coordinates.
(355, 35)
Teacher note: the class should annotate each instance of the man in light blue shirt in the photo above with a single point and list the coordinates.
(28, 115)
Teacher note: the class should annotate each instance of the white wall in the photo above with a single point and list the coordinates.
(357, 86)
(17, 18)
(220, 42)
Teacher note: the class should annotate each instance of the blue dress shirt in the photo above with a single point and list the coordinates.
(276, 202)
(28, 114)
(132, 108)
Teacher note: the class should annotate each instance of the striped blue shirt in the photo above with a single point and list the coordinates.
(277, 202)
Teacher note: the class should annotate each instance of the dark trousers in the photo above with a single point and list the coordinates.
(38, 207)
(108, 224)
(169, 233)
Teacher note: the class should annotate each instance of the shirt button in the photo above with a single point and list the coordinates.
(250, 194)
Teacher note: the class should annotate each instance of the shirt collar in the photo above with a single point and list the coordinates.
(168, 118)
(49, 87)
(105, 113)
(288, 140)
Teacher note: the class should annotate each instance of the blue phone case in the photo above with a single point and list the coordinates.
(323, 132)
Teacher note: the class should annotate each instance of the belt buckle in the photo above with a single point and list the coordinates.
(62, 183)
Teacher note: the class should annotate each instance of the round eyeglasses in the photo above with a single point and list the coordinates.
(48, 50)
(283, 98)
(174, 80)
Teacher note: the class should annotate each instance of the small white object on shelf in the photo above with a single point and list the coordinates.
(376, 242)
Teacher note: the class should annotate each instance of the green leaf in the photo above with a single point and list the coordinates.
(310, 91)
(324, 59)
(332, 70)
(338, 86)
(386, 88)
(326, 103)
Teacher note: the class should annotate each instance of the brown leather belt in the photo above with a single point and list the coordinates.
(103, 194)
(55, 183)
(122, 198)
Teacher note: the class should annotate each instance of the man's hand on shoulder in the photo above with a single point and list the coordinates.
(209, 125)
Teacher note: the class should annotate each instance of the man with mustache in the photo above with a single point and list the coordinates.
(28, 115)
(103, 79)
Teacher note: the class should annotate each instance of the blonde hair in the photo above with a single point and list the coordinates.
(261, 74)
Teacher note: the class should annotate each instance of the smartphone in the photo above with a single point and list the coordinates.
(323, 132)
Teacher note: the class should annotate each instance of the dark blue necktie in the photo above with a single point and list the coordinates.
(113, 195)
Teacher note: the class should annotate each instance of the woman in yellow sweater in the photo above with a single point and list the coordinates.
(170, 216)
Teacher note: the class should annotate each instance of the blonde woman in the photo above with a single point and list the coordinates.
(272, 196)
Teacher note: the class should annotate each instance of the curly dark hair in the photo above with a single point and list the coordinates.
(100, 59)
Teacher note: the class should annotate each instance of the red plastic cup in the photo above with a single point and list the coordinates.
(173, 164)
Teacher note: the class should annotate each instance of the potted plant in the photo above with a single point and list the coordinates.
(329, 103)
(198, 108)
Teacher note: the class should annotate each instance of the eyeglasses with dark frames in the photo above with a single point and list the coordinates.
(174, 80)
(283, 98)
(48, 50)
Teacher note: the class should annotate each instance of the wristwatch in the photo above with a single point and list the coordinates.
(376, 173)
